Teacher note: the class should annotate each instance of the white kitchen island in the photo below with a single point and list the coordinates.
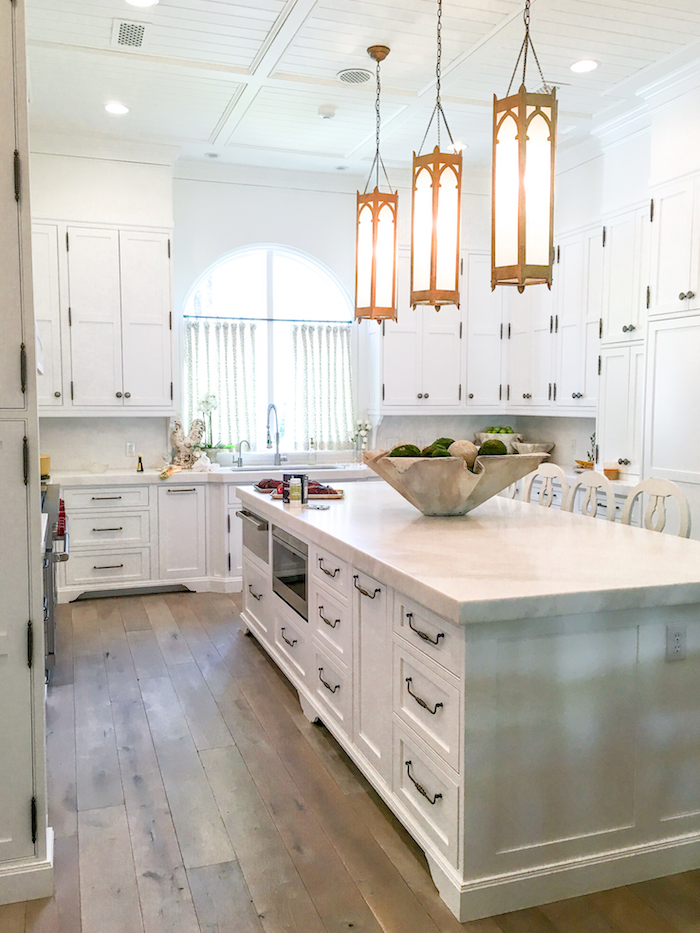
(502, 680)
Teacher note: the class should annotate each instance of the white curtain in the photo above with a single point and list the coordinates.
(220, 358)
(323, 406)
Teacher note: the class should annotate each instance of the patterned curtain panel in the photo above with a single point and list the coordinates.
(323, 408)
(220, 361)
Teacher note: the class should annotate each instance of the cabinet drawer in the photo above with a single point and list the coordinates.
(111, 567)
(331, 623)
(257, 604)
(105, 497)
(107, 529)
(428, 792)
(331, 685)
(295, 644)
(429, 633)
(427, 703)
(332, 571)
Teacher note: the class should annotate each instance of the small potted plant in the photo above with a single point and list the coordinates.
(589, 463)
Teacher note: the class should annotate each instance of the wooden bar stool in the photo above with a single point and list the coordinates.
(658, 491)
(592, 482)
(549, 472)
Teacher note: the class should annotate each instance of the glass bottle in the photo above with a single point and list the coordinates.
(312, 451)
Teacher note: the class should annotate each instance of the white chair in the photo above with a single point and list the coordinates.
(549, 472)
(591, 482)
(655, 515)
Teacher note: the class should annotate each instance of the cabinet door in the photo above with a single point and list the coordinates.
(402, 357)
(626, 275)
(47, 313)
(568, 319)
(95, 319)
(672, 248)
(613, 408)
(146, 318)
(16, 779)
(442, 346)
(542, 343)
(671, 438)
(484, 332)
(11, 395)
(181, 532)
(592, 315)
(235, 543)
(518, 390)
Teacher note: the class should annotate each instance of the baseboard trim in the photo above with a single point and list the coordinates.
(71, 594)
(29, 879)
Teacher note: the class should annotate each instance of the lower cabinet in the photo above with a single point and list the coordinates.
(182, 531)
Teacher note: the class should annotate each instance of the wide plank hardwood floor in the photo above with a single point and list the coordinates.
(189, 794)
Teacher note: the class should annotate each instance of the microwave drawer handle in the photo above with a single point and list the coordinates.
(328, 573)
(60, 557)
(423, 635)
(364, 591)
(260, 524)
(419, 700)
(325, 682)
(419, 787)
(253, 593)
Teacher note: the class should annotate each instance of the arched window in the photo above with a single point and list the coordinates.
(269, 324)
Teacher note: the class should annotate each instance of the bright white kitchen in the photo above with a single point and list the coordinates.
(240, 144)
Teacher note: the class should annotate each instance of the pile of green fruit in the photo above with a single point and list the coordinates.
(507, 430)
(447, 447)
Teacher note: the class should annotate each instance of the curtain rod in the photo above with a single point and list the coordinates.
(262, 320)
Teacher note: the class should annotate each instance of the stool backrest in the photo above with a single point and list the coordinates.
(658, 491)
(592, 482)
(549, 472)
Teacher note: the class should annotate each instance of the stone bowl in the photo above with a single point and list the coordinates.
(445, 485)
(508, 439)
(534, 447)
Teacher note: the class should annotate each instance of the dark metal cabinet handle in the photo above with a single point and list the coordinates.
(109, 529)
(527, 395)
(629, 327)
(420, 395)
(328, 573)
(419, 787)
(254, 595)
(127, 395)
(577, 395)
(57, 394)
(624, 462)
(104, 498)
(188, 489)
(363, 591)
(109, 567)
(325, 682)
(426, 395)
(119, 395)
(290, 643)
(423, 635)
(328, 621)
(471, 395)
(419, 700)
(684, 295)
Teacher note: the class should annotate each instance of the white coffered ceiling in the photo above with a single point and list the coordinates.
(245, 78)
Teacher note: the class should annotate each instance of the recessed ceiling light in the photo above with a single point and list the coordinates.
(115, 107)
(586, 64)
(212, 155)
(142, 2)
(341, 168)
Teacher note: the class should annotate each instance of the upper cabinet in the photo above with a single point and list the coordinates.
(104, 318)
(484, 334)
(626, 238)
(674, 279)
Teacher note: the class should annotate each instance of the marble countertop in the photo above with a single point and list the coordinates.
(253, 474)
(505, 560)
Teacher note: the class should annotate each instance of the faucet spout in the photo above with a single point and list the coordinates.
(270, 408)
(240, 451)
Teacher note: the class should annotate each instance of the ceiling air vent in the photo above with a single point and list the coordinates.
(128, 34)
(354, 75)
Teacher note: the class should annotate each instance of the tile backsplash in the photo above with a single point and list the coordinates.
(75, 443)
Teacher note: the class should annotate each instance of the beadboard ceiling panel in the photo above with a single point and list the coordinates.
(245, 78)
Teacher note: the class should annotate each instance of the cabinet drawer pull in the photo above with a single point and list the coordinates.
(623, 461)
(254, 595)
(363, 591)
(189, 489)
(423, 635)
(108, 529)
(290, 643)
(328, 573)
(327, 621)
(325, 683)
(419, 787)
(109, 567)
(104, 498)
(419, 700)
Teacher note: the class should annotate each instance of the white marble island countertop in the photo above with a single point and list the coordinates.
(505, 560)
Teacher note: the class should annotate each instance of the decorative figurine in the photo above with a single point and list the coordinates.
(186, 445)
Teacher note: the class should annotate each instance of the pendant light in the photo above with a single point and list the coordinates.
(437, 209)
(377, 232)
(522, 207)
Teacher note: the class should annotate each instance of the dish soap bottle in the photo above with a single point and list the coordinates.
(312, 451)
(139, 465)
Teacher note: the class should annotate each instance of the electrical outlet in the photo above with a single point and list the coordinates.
(676, 637)
(130, 449)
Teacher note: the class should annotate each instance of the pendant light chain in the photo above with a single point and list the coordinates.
(437, 109)
(527, 44)
(379, 117)
(378, 162)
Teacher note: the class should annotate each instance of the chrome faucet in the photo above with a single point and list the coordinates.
(270, 408)
(239, 462)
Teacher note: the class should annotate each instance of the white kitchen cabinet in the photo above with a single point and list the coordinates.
(47, 313)
(675, 248)
(620, 411)
(483, 334)
(234, 561)
(182, 532)
(626, 275)
(671, 436)
(529, 341)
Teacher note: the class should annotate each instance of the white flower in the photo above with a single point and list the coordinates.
(208, 403)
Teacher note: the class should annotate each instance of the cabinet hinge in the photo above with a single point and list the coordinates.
(550, 392)
(168, 249)
(35, 820)
(170, 319)
(229, 563)
(18, 175)
(382, 391)
(460, 392)
(500, 392)
(509, 331)
(648, 296)
(67, 242)
(596, 453)
(383, 328)
(23, 367)
(603, 236)
(70, 318)
(71, 389)
(501, 331)
(25, 459)
(228, 523)
(600, 328)
(508, 392)
(600, 365)
(558, 254)
(30, 644)
(171, 391)
(554, 393)
(460, 330)
(551, 323)
(651, 210)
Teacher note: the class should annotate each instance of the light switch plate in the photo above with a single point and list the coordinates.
(130, 449)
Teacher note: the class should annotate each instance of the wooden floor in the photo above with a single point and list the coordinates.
(188, 793)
